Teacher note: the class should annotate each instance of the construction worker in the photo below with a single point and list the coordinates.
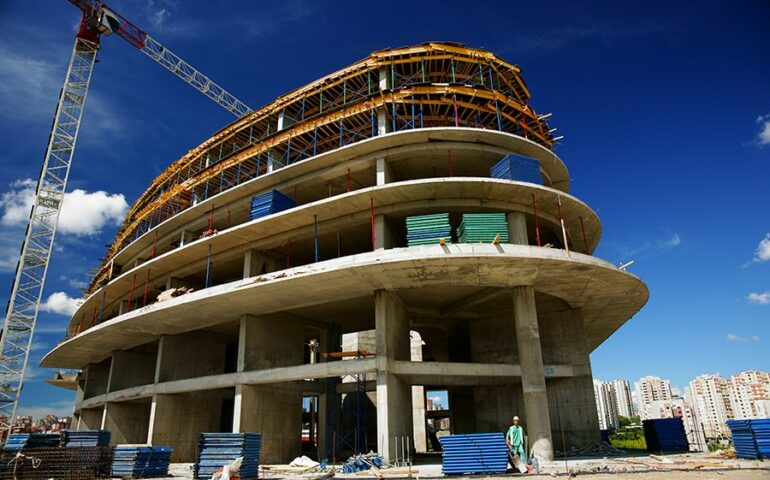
(515, 440)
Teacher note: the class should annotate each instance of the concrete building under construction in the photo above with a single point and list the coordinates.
(213, 312)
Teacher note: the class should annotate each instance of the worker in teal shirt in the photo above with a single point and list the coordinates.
(515, 440)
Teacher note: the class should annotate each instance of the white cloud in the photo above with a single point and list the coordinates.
(82, 214)
(760, 298)
(649, 249)
(763, 135)
(61, 303)
(762, 254)
(731, 337)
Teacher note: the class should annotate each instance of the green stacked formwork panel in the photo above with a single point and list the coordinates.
(483, 228)
(428, 229)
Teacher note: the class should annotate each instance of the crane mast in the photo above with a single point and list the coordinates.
(27, 290)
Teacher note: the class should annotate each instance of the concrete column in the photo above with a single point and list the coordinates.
(384, 174)
(189, 355)
(384, 78)
(280, 121)
(383, 234)
(493, 340)
(131, 369)
(128, 422)
(273, 410)
(178, 420)
(185, 237)
(97, 378)
(537, 419)
(174, 282)
(123, 307)
(90, 418)
(572, 402)
(418, 399)
(394, 403)
(382, 121)
(517, 228)
(256, 263)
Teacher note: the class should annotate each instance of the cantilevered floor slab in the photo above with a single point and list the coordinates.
(353, 208)
(608, 296)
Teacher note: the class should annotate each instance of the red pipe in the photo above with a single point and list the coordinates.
(211, 218)
(154, 242)
(348, 179)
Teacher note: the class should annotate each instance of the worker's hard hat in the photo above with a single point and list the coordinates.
(515, 418)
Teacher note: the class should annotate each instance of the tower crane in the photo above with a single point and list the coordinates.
(21, 314)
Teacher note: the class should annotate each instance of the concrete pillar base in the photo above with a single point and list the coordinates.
(537, 417)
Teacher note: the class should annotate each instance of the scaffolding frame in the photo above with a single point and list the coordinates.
(424, 86)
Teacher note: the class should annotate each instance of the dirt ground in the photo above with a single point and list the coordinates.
(690, 466)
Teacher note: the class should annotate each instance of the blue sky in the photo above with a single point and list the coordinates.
(663, 108)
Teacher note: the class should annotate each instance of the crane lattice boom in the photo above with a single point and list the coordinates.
(27, 291)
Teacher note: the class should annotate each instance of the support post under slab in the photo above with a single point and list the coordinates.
(394, 396)
(517, 228)
(273, 410)
(537, 416)
(383, 234)
(384, 174)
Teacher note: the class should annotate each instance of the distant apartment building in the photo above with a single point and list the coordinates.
(650, 389)
(606, 406)
(623, 402)
(750, 394)
(711, 399)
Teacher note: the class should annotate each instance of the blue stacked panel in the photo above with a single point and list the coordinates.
(269, 203)
(474, 453)
(518, 167)
(86, 438)
(761, 428)
(140, 461)
(16, 441)
(751, 438)
(665, 435)
(216, 450)
(44, 440)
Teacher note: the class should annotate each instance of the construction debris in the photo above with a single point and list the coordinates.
(596, 449)
(172, 292)
(362, 462)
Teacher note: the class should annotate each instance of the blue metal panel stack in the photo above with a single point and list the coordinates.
(518, 167)
(474, 453)
(665, 435)
(141, 462)
(428, 229)
(751, 438)
(269, 203)
(216, 450)
(86, 438)
(17, 441)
